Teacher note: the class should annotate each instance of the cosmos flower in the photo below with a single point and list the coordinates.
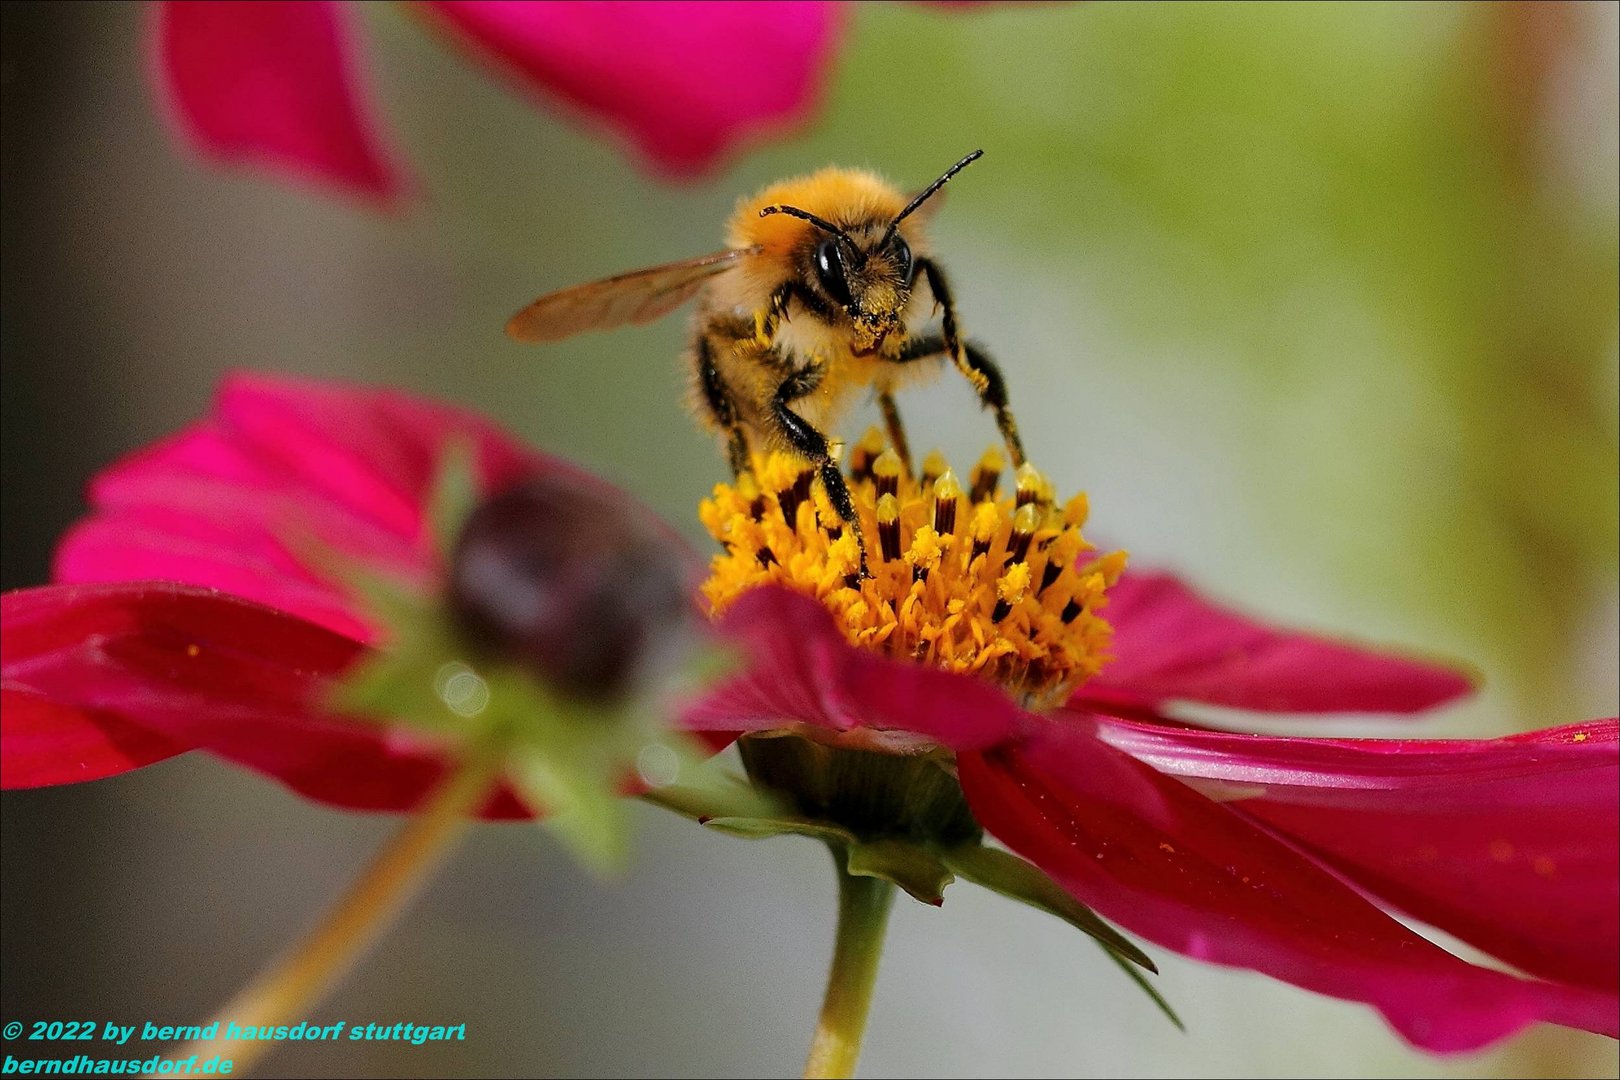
(201, 607)
(1042, 675)
(280, 85)
(983, 643)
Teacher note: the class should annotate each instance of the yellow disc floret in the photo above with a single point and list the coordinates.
(1003, 588)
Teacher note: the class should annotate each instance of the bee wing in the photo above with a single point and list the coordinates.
(637, 297)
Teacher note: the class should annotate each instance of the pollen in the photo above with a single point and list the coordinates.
(1002, 588)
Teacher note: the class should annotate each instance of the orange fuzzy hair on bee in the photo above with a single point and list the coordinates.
(858, 200)
(845, 197)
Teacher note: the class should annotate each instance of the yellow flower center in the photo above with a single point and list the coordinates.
(967, 581)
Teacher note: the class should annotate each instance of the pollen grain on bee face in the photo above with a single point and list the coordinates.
(1005, 588)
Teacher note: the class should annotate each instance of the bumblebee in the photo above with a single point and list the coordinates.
(815, 298)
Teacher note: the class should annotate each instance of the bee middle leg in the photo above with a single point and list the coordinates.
(722, 407)
(897, 431)
(986, 381)
(802, 436)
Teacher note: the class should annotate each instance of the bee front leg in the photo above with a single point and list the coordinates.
(791, 291)
(799, 434)
(722, 407)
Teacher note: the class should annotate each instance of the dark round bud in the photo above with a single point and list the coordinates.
(570, 581)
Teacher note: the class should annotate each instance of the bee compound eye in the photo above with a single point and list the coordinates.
(903, 262)
(830, 271)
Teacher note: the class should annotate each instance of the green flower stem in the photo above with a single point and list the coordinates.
(863, 917)
(286, 993)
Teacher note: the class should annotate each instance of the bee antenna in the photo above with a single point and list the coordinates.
(928, 193)
(805, 215)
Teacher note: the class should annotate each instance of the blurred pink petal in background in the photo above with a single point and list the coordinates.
(683, 81)
(273, 85)
(246, 499)
(280, 85)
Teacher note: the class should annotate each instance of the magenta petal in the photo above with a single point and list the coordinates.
(272, 84)
(1172, 645)
(257, 498)
(685, 82)
(170, 667)
(1511, 844)
(43, 742)
(151, 545)
(802, 671)
(1191, 875)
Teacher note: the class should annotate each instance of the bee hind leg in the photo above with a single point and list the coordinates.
(802, 436)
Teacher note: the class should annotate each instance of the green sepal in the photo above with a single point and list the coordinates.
(571, 760)
(453, 496)
(758, 828)
(910, 866)
(585, 814)
(705, 792)
(403, 684)
(915, 869)
(1147, 987)
(1005, 873)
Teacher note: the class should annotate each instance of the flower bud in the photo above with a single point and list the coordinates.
(570, 582)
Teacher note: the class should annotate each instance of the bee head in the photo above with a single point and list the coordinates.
(870, 282)
(866, 270)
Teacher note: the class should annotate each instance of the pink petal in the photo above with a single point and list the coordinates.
(272, 84)
(43, 742)
(170, 667)
(686, 82)
(256, 499)
(1191, 875)
(1513, 844)
(802, 671)
(1172, 645)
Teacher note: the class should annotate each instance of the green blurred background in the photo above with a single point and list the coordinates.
(1318, 302)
